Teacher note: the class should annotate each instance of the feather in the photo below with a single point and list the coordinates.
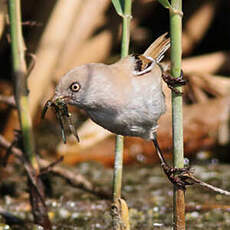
(157, 49)
(143, 64)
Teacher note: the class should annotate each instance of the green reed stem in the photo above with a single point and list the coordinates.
(177, 113)
(119, 208)
(119, 146)
(20, 81)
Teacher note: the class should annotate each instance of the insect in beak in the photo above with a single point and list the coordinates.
(62, 114)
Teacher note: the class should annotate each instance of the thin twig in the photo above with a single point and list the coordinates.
(189, 176)
(14, 143)
(32, 63)
(31, 23)
(51, 165)
(75, 180)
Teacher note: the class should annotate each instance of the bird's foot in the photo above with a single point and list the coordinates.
(172, 82)
(178, 176)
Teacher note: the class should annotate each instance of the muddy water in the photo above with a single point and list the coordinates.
(147, 192)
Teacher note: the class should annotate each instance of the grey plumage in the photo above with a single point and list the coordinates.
(117, 99)
(125, 98)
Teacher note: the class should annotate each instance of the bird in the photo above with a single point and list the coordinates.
(125, 98)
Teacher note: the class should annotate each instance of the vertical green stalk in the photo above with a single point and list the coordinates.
(119, 146)
(126, 28)
(118, 163)
(35, 186)
(119, 208)
(20, 81)
(177, 113)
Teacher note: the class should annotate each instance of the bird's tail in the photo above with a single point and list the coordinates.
(158, 48)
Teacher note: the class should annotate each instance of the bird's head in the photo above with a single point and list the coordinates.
(73, 86)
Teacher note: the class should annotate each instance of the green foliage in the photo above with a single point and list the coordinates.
(165, 3)
(119, 6)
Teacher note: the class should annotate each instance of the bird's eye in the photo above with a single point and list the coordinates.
(75, 87)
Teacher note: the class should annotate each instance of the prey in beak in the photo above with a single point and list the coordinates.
(63, 116)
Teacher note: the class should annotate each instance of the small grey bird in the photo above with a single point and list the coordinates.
(125, 98)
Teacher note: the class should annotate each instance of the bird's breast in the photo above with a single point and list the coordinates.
(130, 107)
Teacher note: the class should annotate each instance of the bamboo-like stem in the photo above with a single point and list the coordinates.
(119, 208)
(118, 165)
(126, 28)
(177, 113)
(35, 185)
(20, 81)
(119, 146)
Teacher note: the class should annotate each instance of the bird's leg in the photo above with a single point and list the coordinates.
(172, 82)
(175, 175)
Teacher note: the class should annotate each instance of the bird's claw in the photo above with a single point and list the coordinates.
(172, 82)
(178, 176)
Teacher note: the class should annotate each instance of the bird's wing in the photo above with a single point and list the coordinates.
(145, 63)
(157, 49)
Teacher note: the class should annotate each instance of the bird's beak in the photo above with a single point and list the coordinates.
(60, 99)
(56, 101)
(59, 103)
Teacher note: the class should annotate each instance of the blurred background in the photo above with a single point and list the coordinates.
(64, 34)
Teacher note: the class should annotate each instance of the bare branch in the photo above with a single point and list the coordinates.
(75, 180)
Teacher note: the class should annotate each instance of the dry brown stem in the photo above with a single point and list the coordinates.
(207, 63)
(197, 25)
(69, 26)
(206, 207)
(75, 179)
(89, 18)
(50, 46)
(188, 176)
(3, 13)
(95, 49)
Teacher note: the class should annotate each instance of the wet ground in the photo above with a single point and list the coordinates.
(146, 190)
